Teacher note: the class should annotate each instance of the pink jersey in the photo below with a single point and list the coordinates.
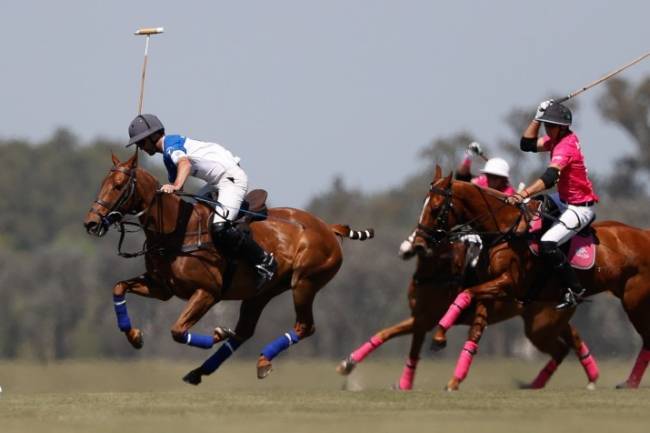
(574, 185)
(482, 181)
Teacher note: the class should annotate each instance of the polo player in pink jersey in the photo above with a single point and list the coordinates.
(566, 169)
(495, 174)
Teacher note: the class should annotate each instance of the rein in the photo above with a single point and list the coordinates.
(215, 203)
(436, 235)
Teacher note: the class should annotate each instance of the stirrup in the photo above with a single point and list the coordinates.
(571, 299)
(266, 269)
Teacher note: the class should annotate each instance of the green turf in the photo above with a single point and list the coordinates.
(307, 396)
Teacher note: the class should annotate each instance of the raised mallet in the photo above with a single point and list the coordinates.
(606, 77)
(146, 32)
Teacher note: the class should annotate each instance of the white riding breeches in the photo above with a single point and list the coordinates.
(232, 187)
(572, 220)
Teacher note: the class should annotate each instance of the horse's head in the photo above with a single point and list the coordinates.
(117, 197)
(437, 215)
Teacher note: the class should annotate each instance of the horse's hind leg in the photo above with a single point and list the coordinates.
(142, 285)
(421, 325)
(570, 336)
(550, 332)
(304, 292)
(636, 302)
(404, 327)
(470, 348)
(249, 314)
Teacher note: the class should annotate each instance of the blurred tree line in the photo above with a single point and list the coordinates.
(55, 280)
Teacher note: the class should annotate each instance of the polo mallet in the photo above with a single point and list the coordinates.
(146, 32)
(481, 154)
(600, 80)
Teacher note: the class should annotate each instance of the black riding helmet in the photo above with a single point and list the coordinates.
(143, 126)
(557, 114)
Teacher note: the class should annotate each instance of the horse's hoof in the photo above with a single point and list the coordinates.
(135, 337)
(193, 377)
(453, 385)
(520, 384)
(591, 386)
(221, 333)
(397, 387)
(624, 385)
(264, 367)
(346, 366)
(439, 339)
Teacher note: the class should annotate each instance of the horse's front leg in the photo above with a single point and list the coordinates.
(142, 285)
(198, 304)
(404, 327)
(490, 290)
(470, 348)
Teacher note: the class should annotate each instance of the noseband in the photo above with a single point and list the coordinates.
(114, 213)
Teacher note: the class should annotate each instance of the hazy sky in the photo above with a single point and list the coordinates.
(305, 90)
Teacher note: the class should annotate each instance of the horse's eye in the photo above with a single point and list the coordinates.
(119, 187)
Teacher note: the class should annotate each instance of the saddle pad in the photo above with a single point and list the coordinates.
(582, 251)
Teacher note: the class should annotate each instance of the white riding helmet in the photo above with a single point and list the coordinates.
(497, 167)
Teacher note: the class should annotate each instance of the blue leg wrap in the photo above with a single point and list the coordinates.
(199, 340)
(123, 322)
(280, 344)
(225, 351)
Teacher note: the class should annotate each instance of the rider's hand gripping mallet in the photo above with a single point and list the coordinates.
(146, 32)
(600, 80)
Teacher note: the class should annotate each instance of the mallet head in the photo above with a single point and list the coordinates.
(147, 31)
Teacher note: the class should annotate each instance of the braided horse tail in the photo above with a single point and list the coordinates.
(346, 232)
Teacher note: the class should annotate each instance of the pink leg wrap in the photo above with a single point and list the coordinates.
(461, 302)
(408, 374)
(544, 375)
(588, 363)
(639, 368)
(366, 348)
(465, 360)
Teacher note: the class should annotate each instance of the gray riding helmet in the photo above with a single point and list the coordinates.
(143, 126)
(557, 114)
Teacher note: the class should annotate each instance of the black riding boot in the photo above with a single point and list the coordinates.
(240, 244)
(556, 259)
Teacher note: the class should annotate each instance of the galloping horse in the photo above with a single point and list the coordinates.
(182, 261)
(622, 264)
(436, 282)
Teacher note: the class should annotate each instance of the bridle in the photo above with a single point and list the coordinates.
(439, 232)
(115, 214)
(435, 235)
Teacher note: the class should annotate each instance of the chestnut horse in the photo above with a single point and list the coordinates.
(182, 261)
(435, 284)
(622, 264)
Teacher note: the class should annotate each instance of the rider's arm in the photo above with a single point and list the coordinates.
(530, 141)
(546, 181)
(464, 171)
(184, 168)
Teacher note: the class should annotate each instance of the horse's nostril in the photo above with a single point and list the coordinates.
(90, 226)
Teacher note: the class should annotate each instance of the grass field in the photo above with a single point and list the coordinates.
(307, 396)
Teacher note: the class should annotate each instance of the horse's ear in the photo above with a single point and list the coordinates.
(438, 174)
(133, 161)
(115, 160)
(449, 178)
